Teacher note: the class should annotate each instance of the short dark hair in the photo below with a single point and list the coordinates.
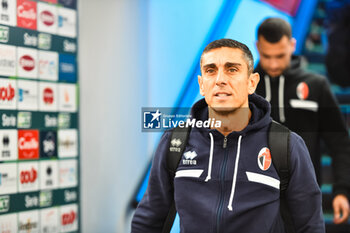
(229, 43)
(273, 29)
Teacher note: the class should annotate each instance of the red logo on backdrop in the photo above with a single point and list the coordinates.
(27, 62)
(28, 144)
(28, 176)
(26, 14)
(48, 95)
(264, 159)
(302, 91)
(51, 1)
(68, 218)
(66, 96)
(289, 6)
(7, 93)
(47, 18)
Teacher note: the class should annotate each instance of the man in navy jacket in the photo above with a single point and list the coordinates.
(225, 187)
(304, 103)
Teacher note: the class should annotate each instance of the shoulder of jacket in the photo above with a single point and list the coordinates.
(168, 132)
(296, 141)
(313, 77)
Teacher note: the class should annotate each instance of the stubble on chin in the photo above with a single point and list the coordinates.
(222, 111)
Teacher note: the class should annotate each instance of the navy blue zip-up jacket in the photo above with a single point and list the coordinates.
(222, 186)
(313, 114)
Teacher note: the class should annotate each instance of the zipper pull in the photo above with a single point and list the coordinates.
(225, 142)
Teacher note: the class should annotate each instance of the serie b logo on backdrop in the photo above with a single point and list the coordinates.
(264, 159)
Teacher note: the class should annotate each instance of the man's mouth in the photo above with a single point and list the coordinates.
(275, 72)
(220, 94)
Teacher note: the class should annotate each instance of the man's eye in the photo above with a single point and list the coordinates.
(232, 70)
(210, 71)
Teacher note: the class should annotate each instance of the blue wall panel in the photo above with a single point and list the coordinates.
(176, 32)
(250, 14)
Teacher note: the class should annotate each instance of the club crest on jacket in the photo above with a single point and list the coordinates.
(302, 91)
(264, 159)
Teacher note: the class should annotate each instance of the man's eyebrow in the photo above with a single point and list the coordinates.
(230, 64)
(277, 55)
(211, 65)
(265, 55)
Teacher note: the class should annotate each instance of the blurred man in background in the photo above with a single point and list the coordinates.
(304, 103)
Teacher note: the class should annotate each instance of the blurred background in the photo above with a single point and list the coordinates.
(134, 53)
(154, 56)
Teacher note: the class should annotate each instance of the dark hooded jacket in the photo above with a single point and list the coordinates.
(303, 102)
(221, 185)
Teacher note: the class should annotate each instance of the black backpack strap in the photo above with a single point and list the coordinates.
(177, 146)
(279, 137)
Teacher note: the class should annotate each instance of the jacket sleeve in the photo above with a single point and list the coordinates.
(303, 194)
(153, 209)
(334, 132)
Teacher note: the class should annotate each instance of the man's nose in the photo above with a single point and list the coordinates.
(273, 64)
(221, 78)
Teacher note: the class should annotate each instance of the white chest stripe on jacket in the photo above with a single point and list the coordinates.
(304, 104)
(210, 157)
(263, 179)
(281, 99)
(267, 88)
(235, 174)
(189, 173)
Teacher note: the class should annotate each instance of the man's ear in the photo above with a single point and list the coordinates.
(293, 43)
(200, 83)
(253, 81)
(257, 44)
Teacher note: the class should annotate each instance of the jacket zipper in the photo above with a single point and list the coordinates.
(222, 181)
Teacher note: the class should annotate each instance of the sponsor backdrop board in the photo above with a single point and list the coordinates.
(39, 103)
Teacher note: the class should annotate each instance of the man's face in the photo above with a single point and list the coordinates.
(225, 82)
(275, 57)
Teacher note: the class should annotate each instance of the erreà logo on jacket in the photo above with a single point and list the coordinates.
(189, 158)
